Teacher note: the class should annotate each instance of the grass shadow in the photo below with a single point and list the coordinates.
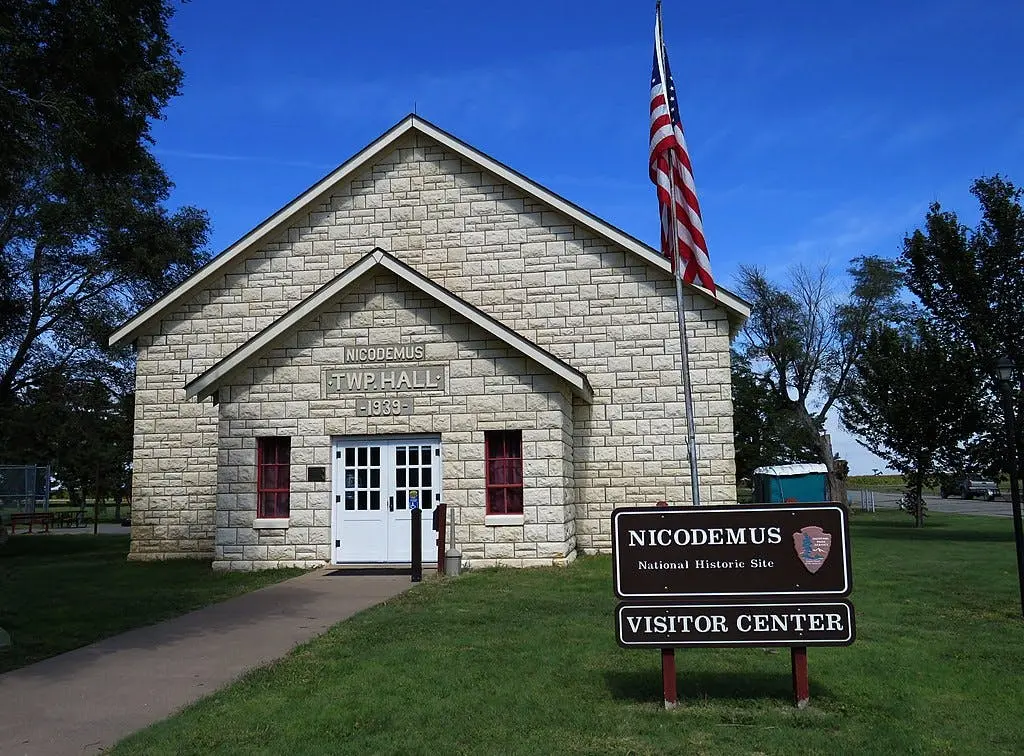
(40, 545)
(645, 686)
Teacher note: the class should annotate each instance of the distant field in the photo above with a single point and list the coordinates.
(876, 482)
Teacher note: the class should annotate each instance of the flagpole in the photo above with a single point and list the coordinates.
(684, 351)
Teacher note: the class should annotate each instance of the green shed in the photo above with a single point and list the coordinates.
(800, 482)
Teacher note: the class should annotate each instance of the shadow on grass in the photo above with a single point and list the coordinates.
(644, 687)
(47, 545)
(932, 531)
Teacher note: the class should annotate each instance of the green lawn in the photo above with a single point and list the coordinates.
(59, 592)
(506, 661)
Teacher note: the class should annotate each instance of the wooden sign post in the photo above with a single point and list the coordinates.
(759, 575)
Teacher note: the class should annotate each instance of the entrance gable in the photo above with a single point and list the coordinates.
(206, 384)
(432, 375)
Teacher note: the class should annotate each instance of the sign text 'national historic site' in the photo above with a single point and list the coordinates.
(762, 550)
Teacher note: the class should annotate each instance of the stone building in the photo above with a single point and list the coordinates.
(423, 325)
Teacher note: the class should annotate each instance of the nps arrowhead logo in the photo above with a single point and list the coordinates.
(812, 545)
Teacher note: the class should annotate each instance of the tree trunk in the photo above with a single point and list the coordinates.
(836, 485)
(918, 487)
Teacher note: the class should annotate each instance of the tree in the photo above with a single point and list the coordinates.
(85, 239)
(764, 432)
(971, 283)
(81, 424)
(805, 342)
(912, 397)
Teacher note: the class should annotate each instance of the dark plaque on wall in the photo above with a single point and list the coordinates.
(731, 552)
(316, 474)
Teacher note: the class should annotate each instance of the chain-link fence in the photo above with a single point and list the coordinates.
(24, 488)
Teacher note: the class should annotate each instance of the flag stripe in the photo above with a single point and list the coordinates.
(682, 230)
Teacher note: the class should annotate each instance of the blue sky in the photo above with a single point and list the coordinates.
(818, 131)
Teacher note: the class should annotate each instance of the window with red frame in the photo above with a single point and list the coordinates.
(504, 471)
(273, 476)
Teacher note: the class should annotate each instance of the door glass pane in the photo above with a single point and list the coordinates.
(427, 499)
(374, 455)
(414, 455)
(375, 500)
(350, 456)
(374, 478)
(414, 476)
(361, 455)
(362, 500)
(350, 500)
(399, 499)
(400, 456)
(427, 475)
(425, 454)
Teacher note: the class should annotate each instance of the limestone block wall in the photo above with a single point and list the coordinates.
(603, 310)
(490, 387)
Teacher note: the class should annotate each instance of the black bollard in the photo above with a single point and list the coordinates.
(417, 545)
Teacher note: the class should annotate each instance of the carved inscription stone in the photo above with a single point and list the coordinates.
(377, 380)
(388, 353)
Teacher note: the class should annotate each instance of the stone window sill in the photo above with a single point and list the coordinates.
(271, 524)
(498, 520)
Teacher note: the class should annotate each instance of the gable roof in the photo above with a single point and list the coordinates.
(206, 384)
(737, 308)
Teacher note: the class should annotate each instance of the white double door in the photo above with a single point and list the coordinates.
(377, 482)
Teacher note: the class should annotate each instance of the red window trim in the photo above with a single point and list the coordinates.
(277, 447)
(489, 487)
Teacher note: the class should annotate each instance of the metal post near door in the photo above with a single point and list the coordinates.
(440, 525)
(417, 544)
(452, 557)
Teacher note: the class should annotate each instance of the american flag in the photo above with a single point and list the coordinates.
(682, 233)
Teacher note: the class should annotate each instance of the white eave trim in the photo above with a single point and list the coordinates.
(206, 384)
(738, 308)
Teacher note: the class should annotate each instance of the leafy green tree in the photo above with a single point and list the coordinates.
(804, 341)
(911, 397)
(85, 238)
(82, 425)
(764, 432)
(971, 283)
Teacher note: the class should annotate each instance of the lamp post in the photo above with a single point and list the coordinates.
(1004, 369)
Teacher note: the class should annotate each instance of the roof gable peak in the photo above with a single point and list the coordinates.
(737, 309)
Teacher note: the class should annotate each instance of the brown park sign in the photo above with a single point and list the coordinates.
(758, 550)
(763, 623)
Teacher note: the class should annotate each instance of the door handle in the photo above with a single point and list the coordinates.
(391, 503)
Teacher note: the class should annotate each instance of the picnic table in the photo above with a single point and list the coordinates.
(30, 519)
(71, 519)
(46, 520)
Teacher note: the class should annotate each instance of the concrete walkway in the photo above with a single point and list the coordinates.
(88, 699)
